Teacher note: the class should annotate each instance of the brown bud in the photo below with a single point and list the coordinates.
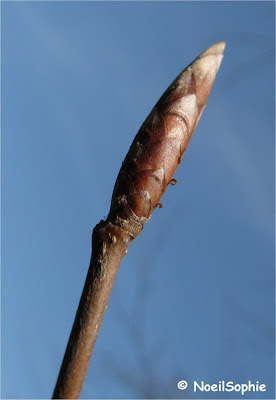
(160, 143)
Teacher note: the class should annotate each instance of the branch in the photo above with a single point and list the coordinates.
(144, 176)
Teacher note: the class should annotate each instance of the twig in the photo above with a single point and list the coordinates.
(144, 176)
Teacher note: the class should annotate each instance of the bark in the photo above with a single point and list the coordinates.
(143, 178)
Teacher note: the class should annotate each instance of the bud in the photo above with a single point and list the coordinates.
(160, 143)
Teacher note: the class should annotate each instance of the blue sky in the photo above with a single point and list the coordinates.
(194, 297)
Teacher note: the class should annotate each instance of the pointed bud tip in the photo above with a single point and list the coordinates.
(216, 49)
